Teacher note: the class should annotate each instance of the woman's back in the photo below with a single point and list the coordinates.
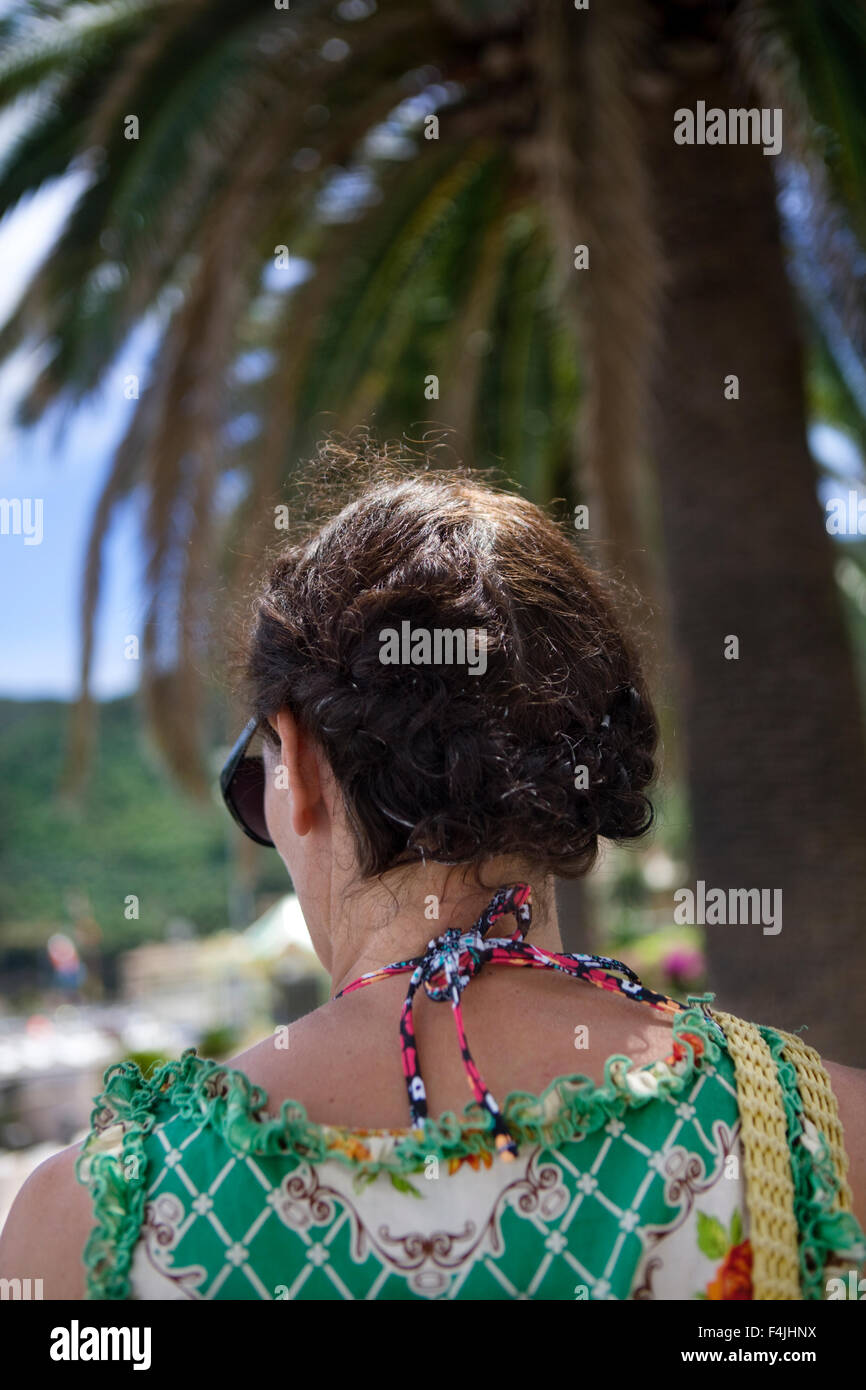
(446, 701)
(211, 1182)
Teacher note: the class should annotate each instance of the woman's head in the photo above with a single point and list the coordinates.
(462, 672)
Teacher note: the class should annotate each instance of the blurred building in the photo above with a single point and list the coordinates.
(172, 995)
(230, 979)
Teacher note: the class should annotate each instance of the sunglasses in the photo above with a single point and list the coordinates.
(242, 783)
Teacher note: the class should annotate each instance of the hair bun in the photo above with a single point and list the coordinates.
(440, 761)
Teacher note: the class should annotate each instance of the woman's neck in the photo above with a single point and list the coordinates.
(380, 922)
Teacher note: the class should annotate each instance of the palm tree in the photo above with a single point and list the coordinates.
(322, 211)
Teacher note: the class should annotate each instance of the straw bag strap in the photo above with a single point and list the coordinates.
(769, 1183)
(820, 1106)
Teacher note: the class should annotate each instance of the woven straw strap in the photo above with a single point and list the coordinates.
(819, 1106)
(766, 1161)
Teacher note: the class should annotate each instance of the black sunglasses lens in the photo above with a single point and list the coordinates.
(248, 795)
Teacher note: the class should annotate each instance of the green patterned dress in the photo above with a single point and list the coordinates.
(634, 1188)
(629, 1189)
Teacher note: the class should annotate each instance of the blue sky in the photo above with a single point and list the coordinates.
(64, 462)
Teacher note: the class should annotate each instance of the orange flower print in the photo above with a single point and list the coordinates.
(680, 1052)
(733, 1278)
(351, 1146)
(474, 1161)
(734, 1275)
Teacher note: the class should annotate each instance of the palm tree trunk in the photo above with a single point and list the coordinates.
(578, 929)
(774, 742)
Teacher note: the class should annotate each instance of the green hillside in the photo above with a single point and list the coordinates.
(132, 833)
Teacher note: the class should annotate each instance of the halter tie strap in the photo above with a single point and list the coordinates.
(454, 958)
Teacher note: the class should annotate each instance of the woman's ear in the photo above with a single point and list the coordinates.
(298, 757)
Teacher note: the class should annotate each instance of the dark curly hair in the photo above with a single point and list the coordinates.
(548, 749)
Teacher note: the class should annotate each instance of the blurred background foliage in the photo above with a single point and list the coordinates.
(260, 191)
(129, 833)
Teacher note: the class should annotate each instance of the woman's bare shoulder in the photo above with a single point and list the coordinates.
(47, 1228)
(849, 1087)
(292, 1060)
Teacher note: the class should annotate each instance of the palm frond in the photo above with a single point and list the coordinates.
(181, 224)
(828, 46)
(39, 47)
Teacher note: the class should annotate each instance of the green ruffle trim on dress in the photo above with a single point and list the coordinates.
(118, 1188)
(822, 1231)
(211, 1093)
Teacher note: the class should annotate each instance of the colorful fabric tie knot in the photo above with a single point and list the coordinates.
(450, 962)
(454, 958)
